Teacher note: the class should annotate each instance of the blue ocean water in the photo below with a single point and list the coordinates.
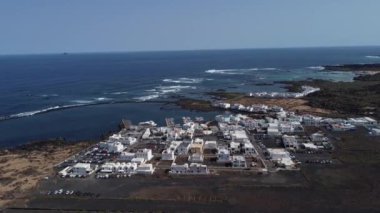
(81, 96)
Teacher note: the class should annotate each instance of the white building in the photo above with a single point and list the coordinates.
(281, 157)
(168, 155)
(286, 128)
(146, 134)
(318, 137)
(144, 153)
(290, 141)
(145, 169)
(239, 136)
(196, 158)
(81, 170)
(238, 161)
(115, 147)
(273, 130)
(375, 132)
(131, 140)
(210, 146)
(234, 147)
(185, 169)
(223, 155)
(249, 149)
(196, 168)
(138, 161)
(126, 156)
(179, 169)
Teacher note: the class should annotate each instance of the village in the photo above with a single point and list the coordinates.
(272, 140)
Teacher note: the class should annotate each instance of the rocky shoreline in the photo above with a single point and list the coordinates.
(357, 98)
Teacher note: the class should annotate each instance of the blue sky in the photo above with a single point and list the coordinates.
(52, 26)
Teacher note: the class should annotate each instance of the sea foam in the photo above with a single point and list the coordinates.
(184, 80)
(373, 56)
(316, 67)
(238, 71)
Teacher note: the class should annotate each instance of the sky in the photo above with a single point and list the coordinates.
(55, 26)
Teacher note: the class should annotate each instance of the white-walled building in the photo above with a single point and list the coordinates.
(249, 149)
(185, 169)
(81, 170)
(115, 147)
(144, 153)
(223, 155)
(234, 147)
(145, 169)
(238, 161)
(126, 156)
(196, 158)
(168, 155)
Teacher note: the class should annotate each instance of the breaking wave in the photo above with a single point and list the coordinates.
(147, 97)
(184, 80)
(373, 56)
(162, 90)
(30, 113)
(237, 71)
(117, 93)
(316, 67)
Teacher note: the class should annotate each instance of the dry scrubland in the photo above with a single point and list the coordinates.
(22, 169)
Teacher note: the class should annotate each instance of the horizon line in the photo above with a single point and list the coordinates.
(185, 50)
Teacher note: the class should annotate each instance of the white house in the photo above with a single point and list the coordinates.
(281, 157)
(126, 156)
(145, 169)
(185, 169)
(179, 169)
(196, 158)
(375, 132)
(249, 149)
(146, 134)
(131, 140)
(144, 153)
(138, 161)
(239, 136)
(196, 168)
(238, 161)
(290, 141)
(234, 147)
(210, 146)
(115, 147)
(223, 155)
(318, 137)
(81, 170)
(168, 154)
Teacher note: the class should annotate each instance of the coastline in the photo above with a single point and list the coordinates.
(358, 98)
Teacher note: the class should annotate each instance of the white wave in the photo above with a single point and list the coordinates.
(316, 67)
(226, 71)
(373, 56)
(184, 80)
(238, 71)
(103, 99)
(30, 113)
(117, 93)
(147, 97)
(269, 69)
(162, 90)
(83, 101)
(173, 87)
(48, 95)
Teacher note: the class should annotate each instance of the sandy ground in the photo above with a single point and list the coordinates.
(21, 170)
(290, 104)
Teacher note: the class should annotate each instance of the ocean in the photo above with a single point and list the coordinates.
(82, 96)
